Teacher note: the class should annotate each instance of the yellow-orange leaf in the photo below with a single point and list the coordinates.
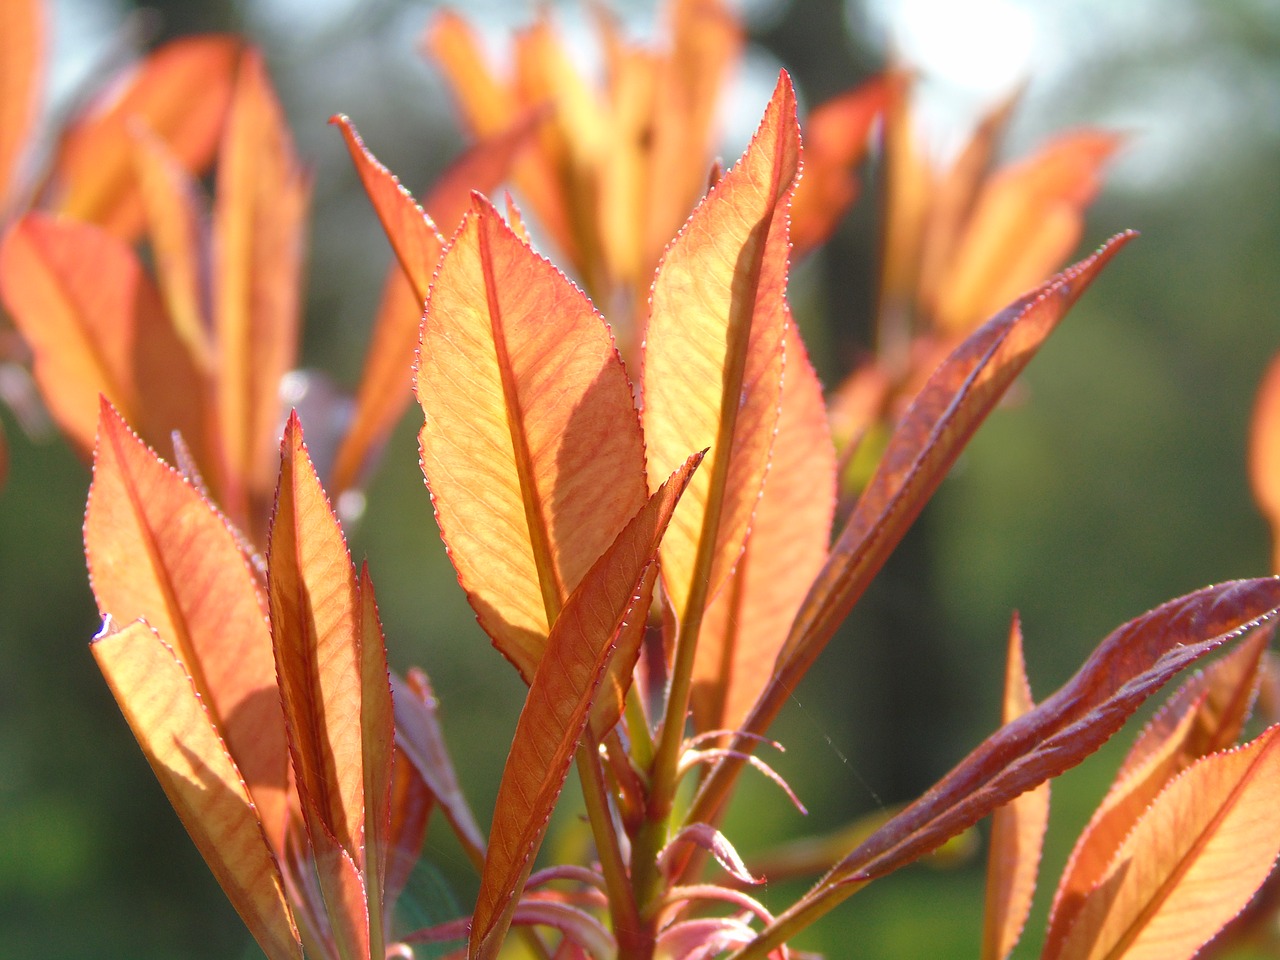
(176, 214)
(22, 53)
(181, 742)
(1264, 453)
(1026, 221)
(556, 711)
(96, 325)
(157, 550)
(1190, 865)
(315, 629)
(790, 534)
(180, 92)
(1204, 716)
(258, 244)
(531, 445)
(713, 353)
(413, 236)
(1017, 830)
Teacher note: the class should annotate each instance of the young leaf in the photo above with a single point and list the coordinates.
(258, 244)
(1204, 716)
(22, 56)
(316, 634)
(747, 622)
(531, 445)
(1191, 863)
(1126, 668)
(414, 238)
(1017, 830)
(96, 325)
(181, 92)
(157, 550)
(181, 742)
(712, 367)
(558, 706)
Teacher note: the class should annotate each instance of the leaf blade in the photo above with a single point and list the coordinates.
(558, 708)
(198, 775)
(531, 446)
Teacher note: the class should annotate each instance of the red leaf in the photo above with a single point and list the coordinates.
(22, 56)
(557, 709)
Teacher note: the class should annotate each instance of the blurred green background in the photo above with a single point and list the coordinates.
(1116, 482)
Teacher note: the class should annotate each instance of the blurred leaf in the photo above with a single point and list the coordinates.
(181, 92)
(259, 220)
(1264, 453)
(22, 67)
(96, 325)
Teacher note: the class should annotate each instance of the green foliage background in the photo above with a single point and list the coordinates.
(1115, 482)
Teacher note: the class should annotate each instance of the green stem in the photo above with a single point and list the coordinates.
(622, 904)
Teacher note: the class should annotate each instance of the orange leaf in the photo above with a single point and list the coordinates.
(712, 366)
(411, 805)
(1264, 453)
(1204, 716)
(531, 445)
(176, 215)
(181, 742)
(413, 236)
(557, 708)
(22, 55)
(1191, 863)
(1027, 220)
(258, 242)
(836, 138)
(1017, 830)
(386, 383)
(181, 92)
(97, 326)
(316, 633)
(157, 550)
(790, 533)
